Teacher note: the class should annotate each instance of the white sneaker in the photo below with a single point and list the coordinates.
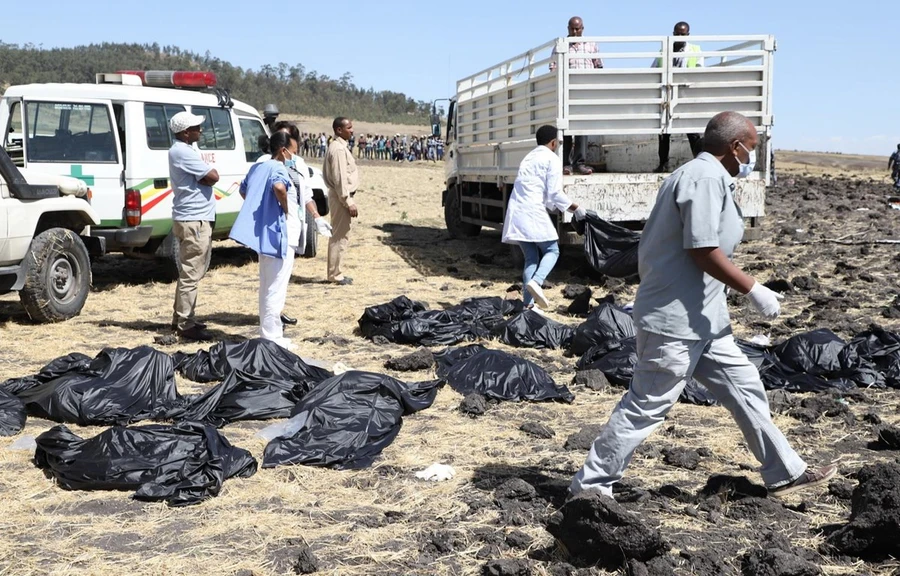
(537, 293)
(534, 308)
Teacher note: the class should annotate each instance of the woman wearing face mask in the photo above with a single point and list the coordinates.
(299, 173)
(681, 318)
(269, 224)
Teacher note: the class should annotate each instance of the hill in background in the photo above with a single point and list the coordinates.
(292, 88)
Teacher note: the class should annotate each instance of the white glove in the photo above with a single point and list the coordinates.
(323, 227)
(765, 301)
(437, 473)
(580, 213)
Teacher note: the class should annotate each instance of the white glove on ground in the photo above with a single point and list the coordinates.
(580, 213)
(436, 473)
(323, 227)
(765, 301)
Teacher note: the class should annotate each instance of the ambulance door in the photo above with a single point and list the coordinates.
(78, 137)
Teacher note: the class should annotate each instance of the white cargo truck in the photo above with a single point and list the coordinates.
(622, 108)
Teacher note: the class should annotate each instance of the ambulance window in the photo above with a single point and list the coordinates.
(218, 133)
(251, 130)
(15, 136)
(15, 118)
(70, 132)
(156, 120)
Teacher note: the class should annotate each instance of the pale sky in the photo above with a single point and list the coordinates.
(836, 80)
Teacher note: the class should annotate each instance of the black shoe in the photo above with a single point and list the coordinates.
(285, 319)
(195, 333)
(200, 325)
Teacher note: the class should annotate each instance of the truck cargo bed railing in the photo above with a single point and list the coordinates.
(628, 96)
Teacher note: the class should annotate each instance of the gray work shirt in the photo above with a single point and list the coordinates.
(192, 200)
(695, 208)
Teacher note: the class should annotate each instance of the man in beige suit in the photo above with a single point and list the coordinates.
(342, 178)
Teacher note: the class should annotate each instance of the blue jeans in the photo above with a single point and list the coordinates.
(540, 258)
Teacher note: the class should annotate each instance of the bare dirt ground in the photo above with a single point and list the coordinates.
(382, 520)
(820, 163)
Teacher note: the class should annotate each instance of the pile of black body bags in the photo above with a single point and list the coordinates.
(339, 421)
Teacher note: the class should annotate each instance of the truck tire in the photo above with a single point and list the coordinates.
(453, 217)
(169, 251)
(311, 236)
(57, 276)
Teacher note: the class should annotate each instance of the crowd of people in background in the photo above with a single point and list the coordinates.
(397, 148)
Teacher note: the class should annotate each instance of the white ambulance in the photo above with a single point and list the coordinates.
(114, 136)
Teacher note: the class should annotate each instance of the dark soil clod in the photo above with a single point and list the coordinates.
(873, 531)
(596, 529)
(584, 438)
(686, 458)
(519, 539)
(592, 379)
(508, 567)
(581, 304)
(515, 489)
(537, 430)
(474, 405)
(888, 436)
(421, 359)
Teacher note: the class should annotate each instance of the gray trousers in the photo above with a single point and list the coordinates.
(663, 367)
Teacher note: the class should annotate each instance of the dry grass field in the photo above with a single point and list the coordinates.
(382, 520)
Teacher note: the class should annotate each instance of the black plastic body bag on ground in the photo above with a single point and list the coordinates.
(119, 386)
(608, 323)
(181, 465)
(346, 421)
(256, 356)
(611, 250)
(12, 414)
(497, 374)
(262, 380)
(528, 329)
(404, 321)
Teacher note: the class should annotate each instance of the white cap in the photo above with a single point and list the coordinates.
(184, 120)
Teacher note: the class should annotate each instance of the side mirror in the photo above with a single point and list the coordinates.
(435, 125)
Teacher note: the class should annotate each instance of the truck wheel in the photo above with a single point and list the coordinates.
(516, 257)
(311, 237)
(453, 217)
(169, 251)
(57, 276)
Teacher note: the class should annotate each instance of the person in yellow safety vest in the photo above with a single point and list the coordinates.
(688, 61)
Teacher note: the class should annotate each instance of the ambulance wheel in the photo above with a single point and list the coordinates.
(57, 276)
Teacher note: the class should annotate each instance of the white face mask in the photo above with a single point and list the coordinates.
(744, 170)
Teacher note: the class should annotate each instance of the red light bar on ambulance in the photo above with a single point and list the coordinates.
(174, 79)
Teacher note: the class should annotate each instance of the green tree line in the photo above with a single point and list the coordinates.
(292, 88)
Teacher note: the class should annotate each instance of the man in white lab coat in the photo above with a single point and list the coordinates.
(538, 188)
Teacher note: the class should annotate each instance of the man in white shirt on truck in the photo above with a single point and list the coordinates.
(538, 188)
(590, 61)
